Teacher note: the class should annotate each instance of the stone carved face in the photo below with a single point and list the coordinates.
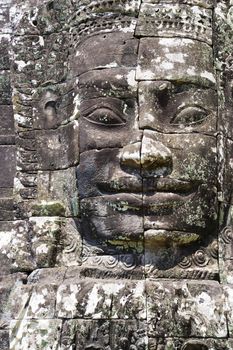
(147, 129)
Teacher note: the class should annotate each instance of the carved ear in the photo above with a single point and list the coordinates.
(50, 109)
(49, 106)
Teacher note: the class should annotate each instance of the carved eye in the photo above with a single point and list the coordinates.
(106, 117)
(190, 116)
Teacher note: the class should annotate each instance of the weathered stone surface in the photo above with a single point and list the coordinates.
(160, 21)
(104, 335)
(35, 333)
(33, 302)
(4, 339)
(4, 60)
(225, 246)
(59, 186)
(99, 299)
(54, 275)
(5, 88)
(47, 19)
(62, 150)
(178, 261)
(4, 20)
(228, 289)
(43, 51)
(45, 232)
(6, 206)
(116, 190)
(53, 106)
(15, 247)
(69, 249)
(122, 53)
(227, 164)
(7, 165)
(129, 266)
(165, 58)
(7, 124)
(201, 3)
(172, 107)
(189, 344)
(186, 309)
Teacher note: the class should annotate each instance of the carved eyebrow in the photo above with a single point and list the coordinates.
(116, 106)
(179, 87)
(103, 79)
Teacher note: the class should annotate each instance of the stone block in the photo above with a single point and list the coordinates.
(170, 107)
(7, 165)
(35, 334)
(89, 55)
(70, 247)
(4, 53)
(6, 125)
(159, 60)
(33, 302)
(189, 344)
(19, 250)
(15, 253)
(179, 262)
(160, 20)
(4, 340)
(6, 208)
(186, 309)
(129, 266)
(59, 186)
(53, 276)
(62, 150)
(104, 334)
(5, 88)
(101, 299)
(45, 233)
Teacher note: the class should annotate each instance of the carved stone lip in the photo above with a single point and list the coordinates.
(162, 201)
(148, 185)
(167, 184)
(160, 237)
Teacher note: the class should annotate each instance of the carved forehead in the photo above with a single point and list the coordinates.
(178, 59)
(105, 50)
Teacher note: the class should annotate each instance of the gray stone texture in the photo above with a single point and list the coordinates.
(116, 163)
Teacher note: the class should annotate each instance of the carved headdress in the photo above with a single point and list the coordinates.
(166, 18)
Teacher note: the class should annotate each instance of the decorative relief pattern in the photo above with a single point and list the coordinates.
(180, 20)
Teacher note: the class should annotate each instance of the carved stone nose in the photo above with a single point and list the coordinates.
(148, 154)
(131, 155)
(154, 154)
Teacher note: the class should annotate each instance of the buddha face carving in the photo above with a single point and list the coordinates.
(147, 128)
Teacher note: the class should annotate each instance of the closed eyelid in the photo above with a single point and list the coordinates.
(105, 117)
(113, 104)
(190, 115)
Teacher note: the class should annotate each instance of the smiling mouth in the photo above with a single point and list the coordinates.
(153, 195)
(129, 184)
